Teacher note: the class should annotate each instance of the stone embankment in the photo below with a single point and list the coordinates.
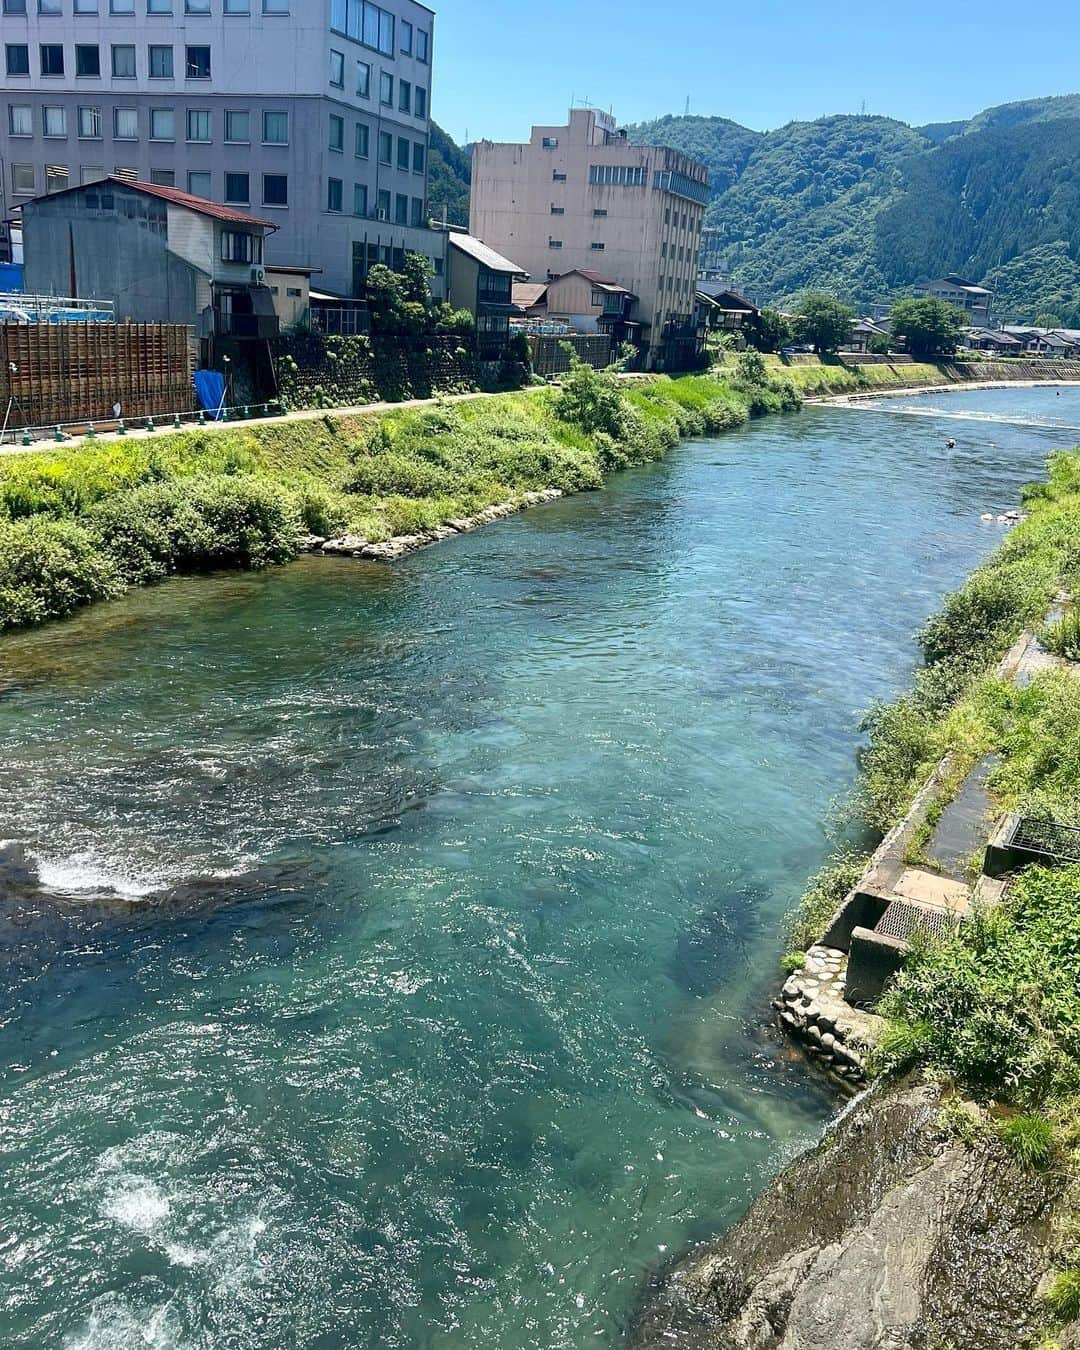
(812, 1008)
(387, 550)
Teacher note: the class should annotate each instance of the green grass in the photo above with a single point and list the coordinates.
(1029, 1139)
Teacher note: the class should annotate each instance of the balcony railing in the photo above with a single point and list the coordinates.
(245, 325)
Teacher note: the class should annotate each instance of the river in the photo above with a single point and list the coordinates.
(386, 949)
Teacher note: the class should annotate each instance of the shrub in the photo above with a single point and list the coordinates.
(1063, 638)
(1063, 1295)
(790, 962)
(823, 896)
(49, 568)
(1029, 1139)
(322, 510)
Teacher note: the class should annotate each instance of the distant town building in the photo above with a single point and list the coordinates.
(481, 280)
(582, 301)
(994, 341)
(725, 309)
(581, 198)
(863, 332)
(159, 254)
(975, 300)
(315, 113)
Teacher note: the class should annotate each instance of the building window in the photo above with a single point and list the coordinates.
(237, 7)
(557, 177)
(199, 183)
(384, 203)
(550, 142)
(126, 124)
(403, 153)
(123, 62)
(419, 157)
(50, 7)
(600, 211)
(56, 177)
(362, 140)
(421, 45)
(238, 188)
(88, 60)
(337, 69)
(20, 119)
(196, 6)
(275, 189)
(162, 124)
(159, 6)
(597, 299)
(54, 121)
(597, 248)
(91, 173)
(294, 292)
(238, 127)
(275, 128)
(197, 64)
(404, 96)
(416, 211)
(52, 58)
(14, 6)
(163, 177)
(401, 209)
(237, 246)
(22, 180)
(386, 89)
(337, 133)
(275, 6)
(161, 63)
(386, 147)
(554, 243)
(558, 210)
(334, 194)
(129, 175)
(121, 6)
(90, 124)
(405, 34)
(438, 267)
(198, 124)
(359, 199)
(617, 175)
(18, 58)
(420, 102)
(363, 80)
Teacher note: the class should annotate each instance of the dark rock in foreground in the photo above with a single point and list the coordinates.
(890, 1235)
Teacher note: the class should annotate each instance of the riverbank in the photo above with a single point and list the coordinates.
(930, 1232)
(835, 379)
(88, 522)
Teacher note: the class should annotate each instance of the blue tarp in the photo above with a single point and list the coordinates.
(210, 388)
(11, 277)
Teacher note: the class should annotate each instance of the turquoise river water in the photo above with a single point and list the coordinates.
(386, 950)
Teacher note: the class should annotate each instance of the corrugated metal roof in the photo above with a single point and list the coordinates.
(169, 194)
(528, 293)
(485, 256)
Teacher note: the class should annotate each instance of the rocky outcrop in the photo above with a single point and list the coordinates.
(890, 1235)
(813, 1009)
(386, 550)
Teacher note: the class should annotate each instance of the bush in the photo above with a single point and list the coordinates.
(190, 526)
(1063, 638)
(1029, 1139)
(49, 568)
(823, 896)
(998, 1004)
(1063, 1295)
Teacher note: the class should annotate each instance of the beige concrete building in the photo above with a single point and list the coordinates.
(582, 197)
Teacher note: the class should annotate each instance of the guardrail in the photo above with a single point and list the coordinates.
(60, 432)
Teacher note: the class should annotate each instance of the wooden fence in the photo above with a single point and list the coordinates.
(75, 372)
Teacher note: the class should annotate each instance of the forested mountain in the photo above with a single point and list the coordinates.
(864, 206)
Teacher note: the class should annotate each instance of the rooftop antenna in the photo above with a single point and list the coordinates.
(862, 108)
(687, 113)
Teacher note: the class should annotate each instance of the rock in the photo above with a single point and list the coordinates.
(309, 542)
(349, 544)
(828, 1040)
(813, 1032)
(887, 1237)
(461, 524)
(986, 515)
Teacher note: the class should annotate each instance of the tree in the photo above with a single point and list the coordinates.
(879, 344)
(928, 326)
(823, 321)
(768, 331)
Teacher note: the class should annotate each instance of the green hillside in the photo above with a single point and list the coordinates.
(865, 206)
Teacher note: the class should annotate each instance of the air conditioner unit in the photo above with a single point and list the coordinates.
(258, 276)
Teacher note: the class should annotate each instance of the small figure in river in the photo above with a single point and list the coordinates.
(950, 444)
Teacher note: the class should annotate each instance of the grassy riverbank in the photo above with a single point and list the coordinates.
(996, 1008)
(87, 522)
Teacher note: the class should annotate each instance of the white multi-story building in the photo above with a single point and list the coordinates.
(313, 113)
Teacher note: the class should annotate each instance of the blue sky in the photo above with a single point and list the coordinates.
(759, 62)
